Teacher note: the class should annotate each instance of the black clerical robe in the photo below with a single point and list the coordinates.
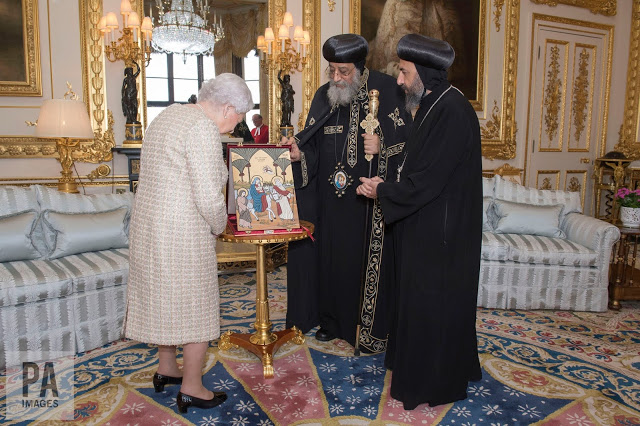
(325, 277)
(434, 212)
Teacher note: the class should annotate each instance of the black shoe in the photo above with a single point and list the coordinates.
(186, 401)
(324, 335)
(159, 381)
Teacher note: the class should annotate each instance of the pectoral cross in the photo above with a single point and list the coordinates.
(370, 123)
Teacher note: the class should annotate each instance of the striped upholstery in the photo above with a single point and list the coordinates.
(494, 246)
(97, 270)
(511, 191)
(534, 272)
(78, 301)
(510, 285)
(32, 281)
(98, 316)
(548, 251)
(72, 304)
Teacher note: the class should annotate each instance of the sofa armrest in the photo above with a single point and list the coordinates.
(596, 234)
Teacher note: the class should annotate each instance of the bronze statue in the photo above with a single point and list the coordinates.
(130, 95)
(286, 97)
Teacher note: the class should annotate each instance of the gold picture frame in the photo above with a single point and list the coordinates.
(20, 68)
(499, 127)
(602, 7)
(98, 149)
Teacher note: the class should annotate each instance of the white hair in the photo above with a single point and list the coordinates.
(344, 95)
(227, 89)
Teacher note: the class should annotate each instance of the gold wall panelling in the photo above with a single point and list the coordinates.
(568, 100)
(95, 150)
(89, 180)
(629, 139)
(553, 98)
(311, 74)
(576, 181)
(15, 79)
(582, 104)
(503, 144)
(497, 13)
(603, 7)
(332, 5)
(548, 179)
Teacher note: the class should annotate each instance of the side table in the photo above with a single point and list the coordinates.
(263, 343)
(624, 277)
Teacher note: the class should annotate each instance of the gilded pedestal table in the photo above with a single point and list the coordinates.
(263, 343)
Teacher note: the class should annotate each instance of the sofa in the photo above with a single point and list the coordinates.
(540, 252)
(63, 271)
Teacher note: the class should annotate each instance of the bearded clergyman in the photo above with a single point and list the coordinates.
(338, 280)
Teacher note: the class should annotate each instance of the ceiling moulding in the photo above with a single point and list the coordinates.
(602, 7)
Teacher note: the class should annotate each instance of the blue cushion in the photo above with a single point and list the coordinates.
(15, 236)
(72, 233)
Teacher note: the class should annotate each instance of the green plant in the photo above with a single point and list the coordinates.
(628, 198)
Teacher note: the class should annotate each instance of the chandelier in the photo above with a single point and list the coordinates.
(181, 30)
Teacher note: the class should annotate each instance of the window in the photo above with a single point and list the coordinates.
(251, 68)
(170, 80)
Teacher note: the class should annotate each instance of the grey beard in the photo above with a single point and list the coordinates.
(343, 96)
(414, 95)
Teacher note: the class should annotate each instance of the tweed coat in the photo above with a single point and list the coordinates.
(179, 209)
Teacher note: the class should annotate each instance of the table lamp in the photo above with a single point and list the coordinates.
(67, 121)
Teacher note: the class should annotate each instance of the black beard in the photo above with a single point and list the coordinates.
(414, 94)
(343, 95)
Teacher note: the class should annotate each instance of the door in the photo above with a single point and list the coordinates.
(568, 104)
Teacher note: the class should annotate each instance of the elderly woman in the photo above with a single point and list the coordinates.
(179, 211)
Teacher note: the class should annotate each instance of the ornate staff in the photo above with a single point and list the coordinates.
(369, 124)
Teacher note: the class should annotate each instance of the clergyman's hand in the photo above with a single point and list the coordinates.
(371, 144)
(295, 151)
(369, 187)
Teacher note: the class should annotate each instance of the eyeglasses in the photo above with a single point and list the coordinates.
(343, 73)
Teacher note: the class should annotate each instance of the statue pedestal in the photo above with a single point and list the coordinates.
(286, 131)
(132, 134)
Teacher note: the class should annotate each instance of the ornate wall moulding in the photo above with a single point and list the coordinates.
(602, 7)
(629, 139)
(499, 131)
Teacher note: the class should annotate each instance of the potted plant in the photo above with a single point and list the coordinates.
(629, 201)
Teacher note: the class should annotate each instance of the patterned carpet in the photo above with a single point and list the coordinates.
(543, 367)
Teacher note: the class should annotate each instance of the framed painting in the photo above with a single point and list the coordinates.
(20, 73)
(482, 32)
(260, 194)
(459, 22)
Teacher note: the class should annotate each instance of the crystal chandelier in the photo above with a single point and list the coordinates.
(181, 30)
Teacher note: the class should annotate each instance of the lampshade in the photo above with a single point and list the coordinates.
(64, 118)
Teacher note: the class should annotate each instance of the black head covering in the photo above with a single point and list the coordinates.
(346, 49)
(432, 57)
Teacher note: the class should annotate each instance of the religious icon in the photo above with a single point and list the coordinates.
(340, 180)
(261, 180)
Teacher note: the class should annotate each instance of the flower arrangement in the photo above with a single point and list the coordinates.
(628, 198)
